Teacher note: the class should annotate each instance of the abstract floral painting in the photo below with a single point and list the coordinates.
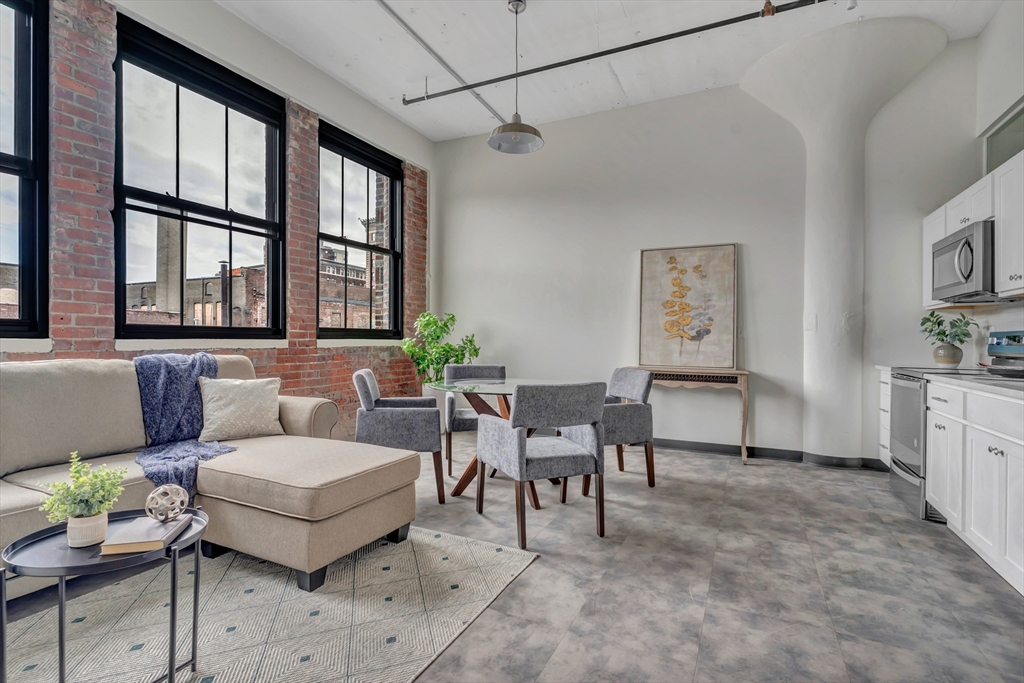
(688, 307)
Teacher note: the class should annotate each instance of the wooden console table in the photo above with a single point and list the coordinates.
(694, 378)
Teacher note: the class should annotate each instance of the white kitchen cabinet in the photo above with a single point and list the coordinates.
(1008, 185)
(934, 230)
(983, 520)
(944, 481)
(1013, 537)
(970, 206)
(884, 407)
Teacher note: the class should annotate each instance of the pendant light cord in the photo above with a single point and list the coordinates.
(517, 62)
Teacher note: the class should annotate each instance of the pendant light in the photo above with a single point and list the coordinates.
(516, 137)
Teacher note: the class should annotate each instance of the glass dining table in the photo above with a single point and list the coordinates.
(502, 389)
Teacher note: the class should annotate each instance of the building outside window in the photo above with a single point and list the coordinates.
(199, 204)
(23, 168)
(360, 239)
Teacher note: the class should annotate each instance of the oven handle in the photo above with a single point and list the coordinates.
(905, 474)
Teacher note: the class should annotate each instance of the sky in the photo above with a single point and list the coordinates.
(209, 133)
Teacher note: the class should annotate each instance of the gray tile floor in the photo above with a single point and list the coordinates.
(773, 571)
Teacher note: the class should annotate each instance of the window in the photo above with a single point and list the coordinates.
(199, 195)
(360, 273)
(23, 154)
(1005, 143)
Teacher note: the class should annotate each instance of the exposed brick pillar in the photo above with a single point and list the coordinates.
(83, 46)
(414, 245)
(302, 211)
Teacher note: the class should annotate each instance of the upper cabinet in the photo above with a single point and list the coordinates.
(999, 196)
(970, 206)
(1008, 185)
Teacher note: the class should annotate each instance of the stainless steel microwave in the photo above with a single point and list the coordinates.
(962, 265)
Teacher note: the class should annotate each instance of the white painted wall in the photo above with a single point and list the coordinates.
(1000, 64)
(920, 152)
(830, 85)
(539, 254)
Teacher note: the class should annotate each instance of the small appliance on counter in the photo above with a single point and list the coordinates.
(1006, 349)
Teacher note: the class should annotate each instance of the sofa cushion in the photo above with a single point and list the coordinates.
(19, 512)
(239, 408)
(136, 486)
(235, 367)
(311, 479)
(53, 407)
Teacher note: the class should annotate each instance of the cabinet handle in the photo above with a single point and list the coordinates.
(940, 399)
(1000, 452)
(992, 449)
(883, 382)
(884, 447)
(884, 411)
(940, 427)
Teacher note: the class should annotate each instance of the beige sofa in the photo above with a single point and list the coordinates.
(300, 499)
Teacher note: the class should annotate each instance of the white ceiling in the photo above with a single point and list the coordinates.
(358, 43)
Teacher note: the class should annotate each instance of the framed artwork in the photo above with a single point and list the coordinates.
(688, 307)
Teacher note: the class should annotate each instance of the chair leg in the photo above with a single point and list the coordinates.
(521, 512)
(565, 490)
(448, 447)
(439, 476)
(586, 485)
(599, 494)
(480, 469)
(622, 462)
(649, 450)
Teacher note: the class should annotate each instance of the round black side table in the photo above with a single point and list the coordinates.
(46, 553)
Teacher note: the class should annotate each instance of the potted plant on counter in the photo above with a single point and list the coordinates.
(947, 340)
(84, 500)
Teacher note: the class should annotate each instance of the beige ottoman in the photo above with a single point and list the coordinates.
(303, 502)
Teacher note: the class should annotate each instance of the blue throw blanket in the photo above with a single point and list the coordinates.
(172, 411)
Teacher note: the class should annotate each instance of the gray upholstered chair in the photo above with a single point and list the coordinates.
(628, 418)
(409, 423)
(463, 419)
(575, 410)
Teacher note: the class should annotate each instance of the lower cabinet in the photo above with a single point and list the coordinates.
(1013, 536)
(944, 481)
(993, 520)
(984, 497)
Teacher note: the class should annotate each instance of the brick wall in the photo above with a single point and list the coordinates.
(82, 50)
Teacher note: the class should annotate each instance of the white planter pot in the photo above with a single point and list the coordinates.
(86, 531)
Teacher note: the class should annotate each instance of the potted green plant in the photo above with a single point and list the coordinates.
(947, 340)
(430, 353)
(84, 500)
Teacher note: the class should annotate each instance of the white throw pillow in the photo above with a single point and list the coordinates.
(239, 408)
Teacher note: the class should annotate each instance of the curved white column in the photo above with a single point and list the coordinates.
(830, 85)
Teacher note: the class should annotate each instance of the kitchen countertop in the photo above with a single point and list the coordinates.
(997, 386)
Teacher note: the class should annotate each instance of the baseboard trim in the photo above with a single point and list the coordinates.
(730, 449)
(774, 454)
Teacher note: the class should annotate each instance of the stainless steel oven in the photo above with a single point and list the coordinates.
(962, 265)
(907, 440)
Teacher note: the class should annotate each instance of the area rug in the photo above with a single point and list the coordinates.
(384, 614)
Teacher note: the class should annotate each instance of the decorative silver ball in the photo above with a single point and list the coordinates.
(166, 502)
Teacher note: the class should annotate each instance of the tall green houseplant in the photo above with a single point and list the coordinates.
(430, 353)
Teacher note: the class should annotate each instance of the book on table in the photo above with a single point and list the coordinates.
(144, 534)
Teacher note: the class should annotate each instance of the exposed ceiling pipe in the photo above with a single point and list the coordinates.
(439, 59)
(611, 51)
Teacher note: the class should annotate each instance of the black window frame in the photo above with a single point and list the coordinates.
(350, 147)
(30, 164)
(168, 59)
